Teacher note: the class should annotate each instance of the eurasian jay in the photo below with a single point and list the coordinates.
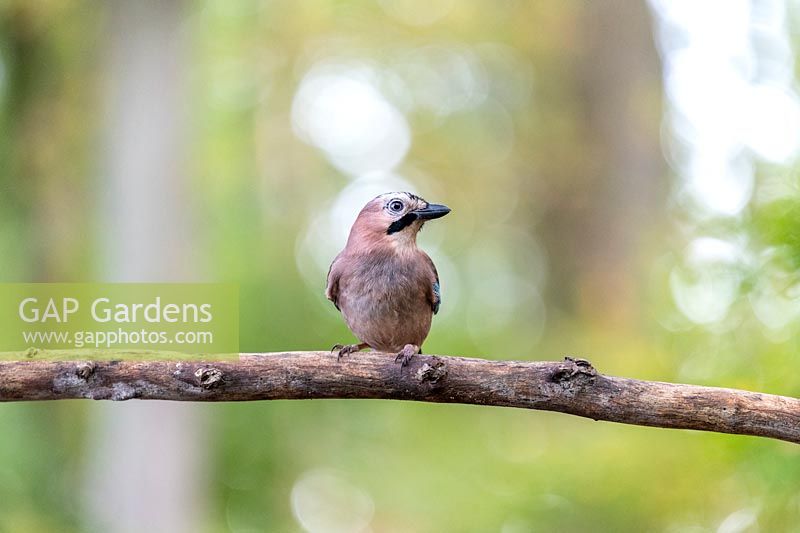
(386, 288)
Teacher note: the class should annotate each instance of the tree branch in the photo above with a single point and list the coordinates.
(572, 386)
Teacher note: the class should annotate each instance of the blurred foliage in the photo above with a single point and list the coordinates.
(564, 239)
(778, 224)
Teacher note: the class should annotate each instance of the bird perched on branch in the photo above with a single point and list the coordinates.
(386, 288)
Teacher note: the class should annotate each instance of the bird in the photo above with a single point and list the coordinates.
(386, 288)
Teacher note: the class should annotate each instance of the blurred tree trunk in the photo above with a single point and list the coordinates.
(617, 177)
(146, 458)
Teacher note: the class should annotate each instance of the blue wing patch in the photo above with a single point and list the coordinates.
(437, 297)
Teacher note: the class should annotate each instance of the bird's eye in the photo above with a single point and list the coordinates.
(396, 206)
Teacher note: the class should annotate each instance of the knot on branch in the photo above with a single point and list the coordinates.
(574, 371)
(31, 352)
(85, 370)
(208, 377)
(432, 373)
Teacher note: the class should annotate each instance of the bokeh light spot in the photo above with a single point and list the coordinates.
(324, 501)
(707, 283)
(339, 109)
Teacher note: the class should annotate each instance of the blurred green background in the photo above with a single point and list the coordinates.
(623, 179)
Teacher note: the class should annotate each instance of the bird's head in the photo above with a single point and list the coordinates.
(396, 218)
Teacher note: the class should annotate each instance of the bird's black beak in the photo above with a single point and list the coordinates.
(431, 211)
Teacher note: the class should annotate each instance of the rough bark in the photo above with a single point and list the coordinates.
(572, 386)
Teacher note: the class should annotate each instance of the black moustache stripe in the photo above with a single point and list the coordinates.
(402, 222)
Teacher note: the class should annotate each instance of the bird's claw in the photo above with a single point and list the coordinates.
(405, 355)
(403, 359)
(344, 349)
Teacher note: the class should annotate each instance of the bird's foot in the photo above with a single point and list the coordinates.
(346, 349)
(405, 355)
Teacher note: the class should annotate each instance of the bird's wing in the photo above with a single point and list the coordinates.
(435, 294)
(332, 290)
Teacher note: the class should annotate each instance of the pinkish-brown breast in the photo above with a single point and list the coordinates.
(385, 297)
